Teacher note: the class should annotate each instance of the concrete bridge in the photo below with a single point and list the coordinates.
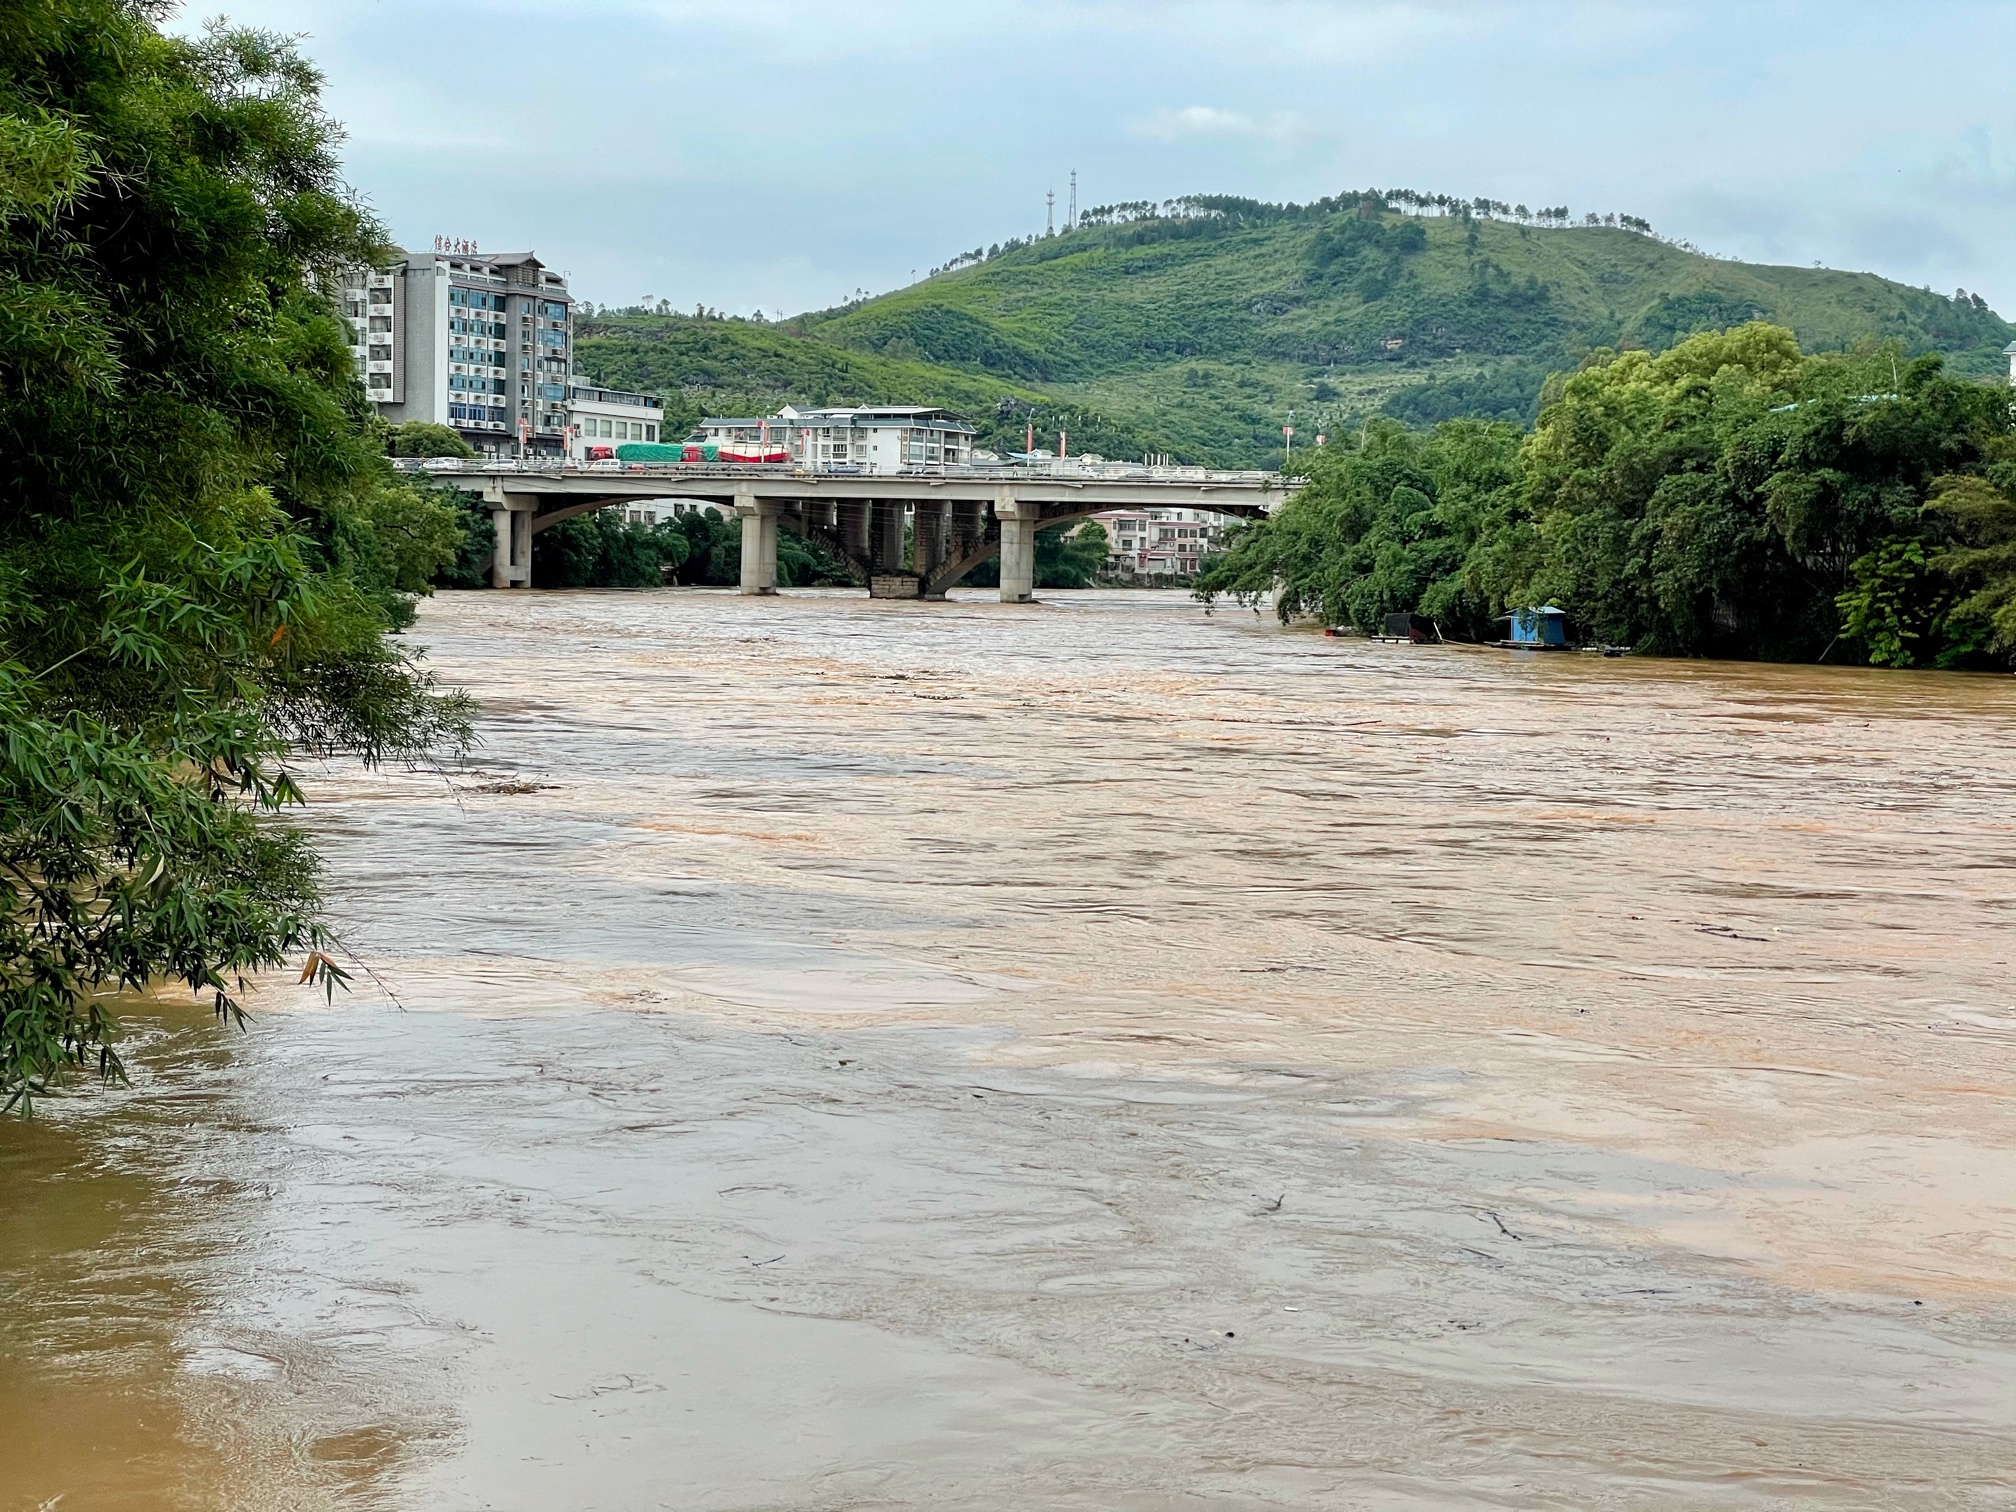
(961, 515)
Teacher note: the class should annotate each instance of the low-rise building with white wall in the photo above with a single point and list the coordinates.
(884, 438)
(609, 417)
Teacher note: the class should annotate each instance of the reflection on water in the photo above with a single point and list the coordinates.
(1091, 1055)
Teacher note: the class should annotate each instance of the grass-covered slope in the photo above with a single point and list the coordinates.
(1196, 333)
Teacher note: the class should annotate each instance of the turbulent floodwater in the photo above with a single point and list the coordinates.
(1097, 1055)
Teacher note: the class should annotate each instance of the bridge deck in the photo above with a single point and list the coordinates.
(1083, 486)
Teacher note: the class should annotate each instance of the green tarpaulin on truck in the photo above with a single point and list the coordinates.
(653, 451)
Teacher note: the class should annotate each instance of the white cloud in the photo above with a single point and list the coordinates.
(1195, 121)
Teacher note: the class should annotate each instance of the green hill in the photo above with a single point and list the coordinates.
(1194, 329)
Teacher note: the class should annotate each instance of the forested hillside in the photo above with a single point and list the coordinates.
(1194, 328)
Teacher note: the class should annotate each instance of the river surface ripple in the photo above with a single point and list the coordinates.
(1098, 1055)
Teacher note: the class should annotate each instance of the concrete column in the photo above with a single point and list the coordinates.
(500, 559)
(759, 543)
(1018, 547)
(521, 548)
(888, 552)
(927, 546)
(859, 525)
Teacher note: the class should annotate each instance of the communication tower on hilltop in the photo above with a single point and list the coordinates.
(1049, 211)
(1071, 217)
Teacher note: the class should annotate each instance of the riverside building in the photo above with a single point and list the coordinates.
(1160, 543)
(480, 343)
(885, 438)
(598, 416)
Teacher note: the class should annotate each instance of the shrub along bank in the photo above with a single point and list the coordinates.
(1731, 496)
(202, 545)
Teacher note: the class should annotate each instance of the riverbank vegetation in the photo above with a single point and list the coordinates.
(1731, 496)
(698, 549)
(203, 548)
(1067, 556)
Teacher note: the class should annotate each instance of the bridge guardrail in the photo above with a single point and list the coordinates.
(1004, 473)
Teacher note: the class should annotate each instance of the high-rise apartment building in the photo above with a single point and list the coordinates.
(482, 343)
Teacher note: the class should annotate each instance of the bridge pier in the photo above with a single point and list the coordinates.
(927, 532)
(1018, 547)
(759, 543)
(511, 563)
(857, 527)
(887, 546)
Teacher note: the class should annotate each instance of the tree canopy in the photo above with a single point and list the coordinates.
(202, 546)
(1731, 496)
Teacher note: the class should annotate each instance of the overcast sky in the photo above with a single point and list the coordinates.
(780, 156)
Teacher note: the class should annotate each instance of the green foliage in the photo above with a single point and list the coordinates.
(423, 438)
(202, 545)
(1507, 391)
(1193, 328)
(699, 549)
(1884, 609)
(1971, 523)
(804, 563)
(394, 537)
(1365, 251)
(1732, 496)
(1391, 520)
(1067, 556)
(713, 550)
(475, 546)
(1071, 558)
(601, 549)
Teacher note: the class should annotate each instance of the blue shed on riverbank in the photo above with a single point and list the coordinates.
(1544, 628)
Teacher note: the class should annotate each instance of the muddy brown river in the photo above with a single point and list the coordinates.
(1099, 1055)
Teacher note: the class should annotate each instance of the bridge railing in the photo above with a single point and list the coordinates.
(1003, 472)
